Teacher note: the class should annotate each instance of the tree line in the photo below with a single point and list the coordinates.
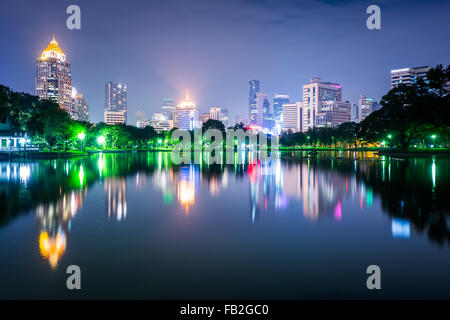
(52, 127)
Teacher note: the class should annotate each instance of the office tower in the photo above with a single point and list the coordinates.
(204, 117)
(315, 93)
(261, 108)
(214, 114)
(292, 114)
(224, 117)
(278, 102)
(80, 110)
(355, 113)
(141, 124)
(408, 75)
(160, 123)
(114, 117)
(365, 107)
(254, 89)
(333, 113)
(168, 108)
(53, 76)
(141, 120)
(116, 100)
(186, 115)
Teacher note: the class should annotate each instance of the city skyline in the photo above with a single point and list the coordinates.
(158, 70)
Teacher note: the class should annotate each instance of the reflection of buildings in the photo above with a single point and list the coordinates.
(16, 171)
(318, 192)
(182, 182)
(55, 222)
(116, 198)
(188, 180)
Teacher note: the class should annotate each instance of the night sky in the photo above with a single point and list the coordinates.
(213, 48)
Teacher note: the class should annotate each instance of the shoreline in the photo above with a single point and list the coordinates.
(442, 153)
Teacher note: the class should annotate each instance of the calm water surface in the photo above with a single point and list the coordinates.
(140, 227)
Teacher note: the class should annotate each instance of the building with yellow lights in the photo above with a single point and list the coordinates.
(53, 76)
(186, 115)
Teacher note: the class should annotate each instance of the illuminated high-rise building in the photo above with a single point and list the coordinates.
(365, 107)
(116, 101)
(252, 108)
(168, 107)
(292, 115)
(214, 113)
(53, 76)
(80, 109)
(334, 113)
(314, 94)
(408, 76)
(186, 115)
(278, 102)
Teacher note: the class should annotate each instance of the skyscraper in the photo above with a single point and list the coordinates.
(160, 123)
(355, 113)
(278, 102)
(254, 89)
(292, 114)
(168, 108)
(365, 107)
(53, 76)
(80, 110)
(408, 75)
(333, 113)
(116, 100)
(214, 113)
(186, 115)
(261, 108)
(315, 93)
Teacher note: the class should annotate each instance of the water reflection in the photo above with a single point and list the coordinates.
(54, 221)
(116, 198)
(317, 186)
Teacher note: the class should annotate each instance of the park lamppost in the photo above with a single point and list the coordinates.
(389, 136)
(101, 141)
(159, 142)
(81, 136)
(433, 137)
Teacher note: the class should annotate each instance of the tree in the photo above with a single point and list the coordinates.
(213, 124)
(411, 111)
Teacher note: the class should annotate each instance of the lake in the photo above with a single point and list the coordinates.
(305, 226)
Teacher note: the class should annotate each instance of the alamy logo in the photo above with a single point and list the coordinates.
(211, 148)
(374, 20)
(374, 280)
(74, 280)
(74, 20)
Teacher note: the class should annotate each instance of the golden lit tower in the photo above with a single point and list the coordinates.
(53, 76)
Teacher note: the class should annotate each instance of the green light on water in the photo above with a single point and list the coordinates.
(369, 197)
(433, 173)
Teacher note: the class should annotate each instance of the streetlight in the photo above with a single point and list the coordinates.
(101, 141)
(433, 136)
(81, 136)
(389, 136)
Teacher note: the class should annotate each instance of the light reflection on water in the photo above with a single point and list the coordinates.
(347, 189)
